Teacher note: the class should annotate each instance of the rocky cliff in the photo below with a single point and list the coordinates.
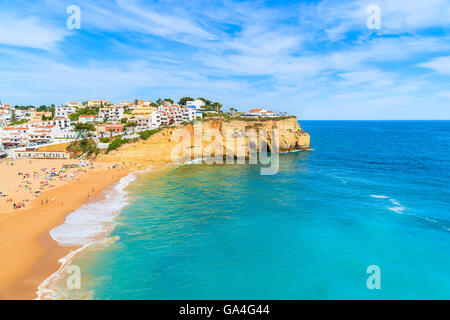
(214, 138)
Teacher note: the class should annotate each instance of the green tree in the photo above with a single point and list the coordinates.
(74, 116)
(183, 100)
(132, 125)
(84, 127)
(13, 116)
(206, 101)
(217, 106)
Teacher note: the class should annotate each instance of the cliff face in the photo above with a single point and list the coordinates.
(214, 138)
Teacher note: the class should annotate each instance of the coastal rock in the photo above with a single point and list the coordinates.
(218, 137)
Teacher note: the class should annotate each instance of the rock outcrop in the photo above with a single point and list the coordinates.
(213, 138)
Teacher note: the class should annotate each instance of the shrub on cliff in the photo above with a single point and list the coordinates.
(148, 133)
(116, 144)
(84, 146)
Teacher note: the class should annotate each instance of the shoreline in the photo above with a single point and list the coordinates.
(29, 254)
(48, 289)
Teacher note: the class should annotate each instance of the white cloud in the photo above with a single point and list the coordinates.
(439, 65)
(444, 94)
(29, 32)
(334, 20)
(135, 16)
(373, 78)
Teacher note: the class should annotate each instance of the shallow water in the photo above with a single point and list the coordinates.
(369, 193)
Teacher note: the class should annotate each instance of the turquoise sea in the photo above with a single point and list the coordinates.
(369, 193)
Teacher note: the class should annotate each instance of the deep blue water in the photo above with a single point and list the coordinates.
(308, 232)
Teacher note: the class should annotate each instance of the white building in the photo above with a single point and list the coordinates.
(164, 119)
(111, 114)
(26, 135)
(5, 116)
(22, 114)
(63, 112)
(60, 124)
(14, 136)
(87, 119)
(197, 104)
(261, 113)
(173, 113)
(189, 114)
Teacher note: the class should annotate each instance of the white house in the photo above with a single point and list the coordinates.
(189, 114)
(14, 136)
(87, 119)
(63, 112)
(112, 113)
(5, 116)
(58, 123)
(197, 104)
(261, 113)
(173, 113)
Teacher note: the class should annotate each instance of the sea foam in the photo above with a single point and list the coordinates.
(93, 220)
(88, 225)
(379, 196)
(400, 209)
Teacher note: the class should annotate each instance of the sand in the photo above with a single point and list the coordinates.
(28, 255)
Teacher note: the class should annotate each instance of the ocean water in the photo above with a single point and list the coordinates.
(369, 193)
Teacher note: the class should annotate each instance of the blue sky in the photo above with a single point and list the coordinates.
(314, 59)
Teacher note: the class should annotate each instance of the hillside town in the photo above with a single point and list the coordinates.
(25, 128)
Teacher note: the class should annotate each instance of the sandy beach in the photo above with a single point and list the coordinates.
(47, 190)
